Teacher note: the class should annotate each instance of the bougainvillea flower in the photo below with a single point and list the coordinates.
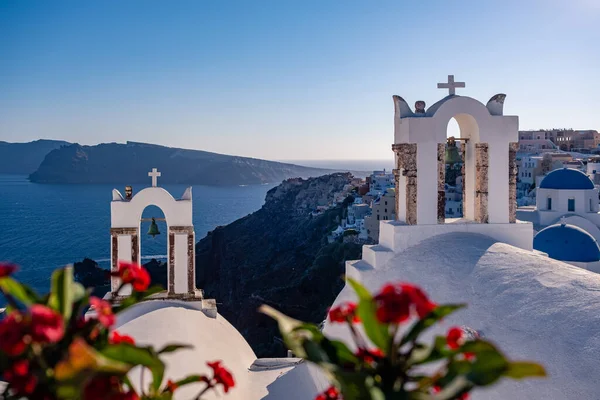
(345, 312)
(330, 394)
(369, 356)
(13, 334)
(419, 299)
(117, 338)
(104, 312)
(455, 337)
(46, 326)
(221, 375)
(7, 269)
(135, 274)
(21, 380)
(395, 302)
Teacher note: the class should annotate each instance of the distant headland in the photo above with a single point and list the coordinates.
(62, 162)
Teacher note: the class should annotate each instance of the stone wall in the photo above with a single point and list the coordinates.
(407, 165)
(512, 181)
(441, 200)
(481, 182)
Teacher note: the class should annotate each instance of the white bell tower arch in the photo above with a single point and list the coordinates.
(125, 219)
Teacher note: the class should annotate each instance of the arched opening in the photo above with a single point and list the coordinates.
(453, 164)
(460, 167)
(153, 248)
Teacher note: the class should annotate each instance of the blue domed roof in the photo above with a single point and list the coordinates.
(567, 243)
(567, 178)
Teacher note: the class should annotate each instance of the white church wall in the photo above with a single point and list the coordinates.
(181, 262)
(399, 237)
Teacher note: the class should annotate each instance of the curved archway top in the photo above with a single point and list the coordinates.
(485, 123)
(495, 106)
(127, 213)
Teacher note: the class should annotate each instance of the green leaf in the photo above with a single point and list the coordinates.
(170, 348)
(524, 369)
(376, 331)
(188, 380)
(436, 315)
(62, 291)
(293, 337)
(133, 355)
(135, 298)
(18, 291)
(489, 364)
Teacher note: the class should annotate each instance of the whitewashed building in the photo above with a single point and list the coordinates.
(515, 295)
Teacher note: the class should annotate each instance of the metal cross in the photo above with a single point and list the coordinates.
(451, 85)
(154, 174)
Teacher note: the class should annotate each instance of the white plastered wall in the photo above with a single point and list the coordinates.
(178, 213)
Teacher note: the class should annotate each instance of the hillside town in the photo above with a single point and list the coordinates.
(539, 153)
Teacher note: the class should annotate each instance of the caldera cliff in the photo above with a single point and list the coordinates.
(278, 255)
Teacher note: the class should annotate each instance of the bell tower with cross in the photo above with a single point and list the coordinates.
(488, 141)
(126, 216)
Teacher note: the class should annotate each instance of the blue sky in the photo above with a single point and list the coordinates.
(285, 79)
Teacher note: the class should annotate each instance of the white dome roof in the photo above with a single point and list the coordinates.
(535, 308)
(160, 322)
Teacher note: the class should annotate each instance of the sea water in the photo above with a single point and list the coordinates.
(45, 226)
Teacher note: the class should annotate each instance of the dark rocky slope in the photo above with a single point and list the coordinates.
(279, 256)
(24, 158)
(130, 163)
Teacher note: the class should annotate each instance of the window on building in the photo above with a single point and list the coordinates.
(571, 205)
(529, 176)
(385, 210)
(549, 203)
(591, 205)
(386, 204)
(377, 217)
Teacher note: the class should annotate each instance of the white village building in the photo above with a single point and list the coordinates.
(533, 307)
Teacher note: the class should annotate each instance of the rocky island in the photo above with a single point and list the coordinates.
(130, 162)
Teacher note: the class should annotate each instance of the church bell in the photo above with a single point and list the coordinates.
(452, 156)
(153, 231)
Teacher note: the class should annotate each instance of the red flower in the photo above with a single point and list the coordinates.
(422, 304)
(172, 386)
(396, 301)
(116, 338)
(330, 394)
(13, 334)
(104, 312)
(47, 326)
(221, 375)
(369, 356)
(393, 304)
(135, 274)
(7, 269)
(20, 379)
(469, 356)
(343, 313)
(455, 337)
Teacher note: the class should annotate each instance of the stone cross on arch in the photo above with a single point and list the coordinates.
(154, 174)
(451, 85)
